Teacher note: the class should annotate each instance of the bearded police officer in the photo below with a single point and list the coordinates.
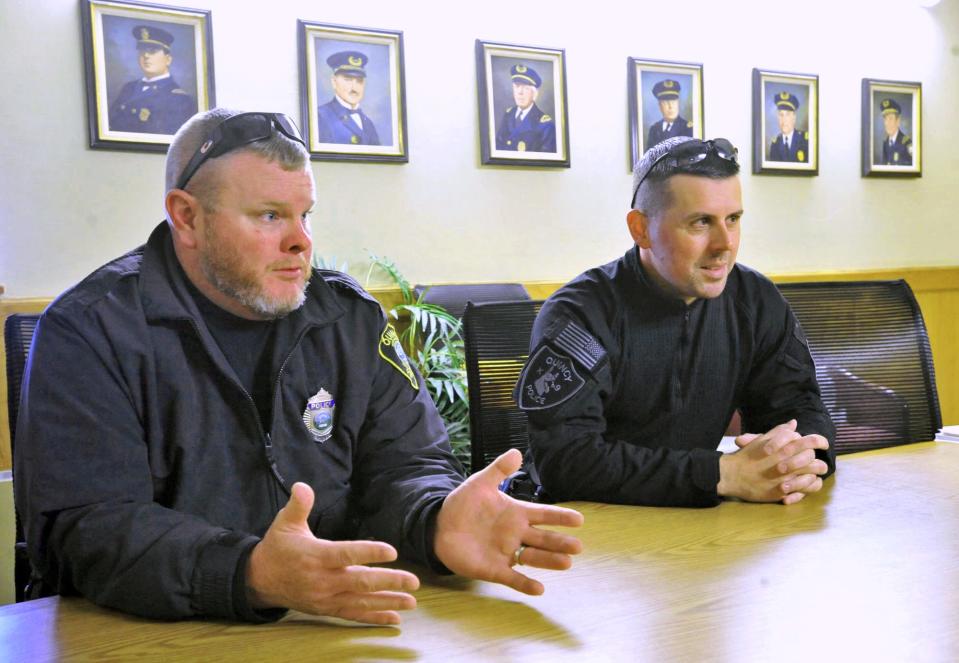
(637, 366)
(211, 428)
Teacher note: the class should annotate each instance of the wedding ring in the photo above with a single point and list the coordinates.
(517, 553)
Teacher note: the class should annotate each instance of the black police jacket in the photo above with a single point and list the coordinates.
(143, 473)
(628, 391)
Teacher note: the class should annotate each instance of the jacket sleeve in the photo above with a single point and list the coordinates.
(782, 381)
(574, 454)
(84, 488)
(405, 467)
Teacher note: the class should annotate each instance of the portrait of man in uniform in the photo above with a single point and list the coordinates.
(891, 128)
(785, 123)
(154, 103)
(147, 72)
(352, 91)
(341, 120)
(524, 127)
(667, 93)
(790, 144)
(896, 145)
(521, 95)
(664, 100)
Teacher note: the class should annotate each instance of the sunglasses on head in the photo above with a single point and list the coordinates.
(235, 132)
(690, 152)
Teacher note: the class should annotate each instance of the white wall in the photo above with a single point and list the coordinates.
(65, 209)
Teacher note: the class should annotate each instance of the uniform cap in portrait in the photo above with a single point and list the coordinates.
(150, 38)
(351, 63)
(521, 73)
(787, 101)
(890, 106)
(667, 89)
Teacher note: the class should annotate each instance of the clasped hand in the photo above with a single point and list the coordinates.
(478, 532)
(779, 465)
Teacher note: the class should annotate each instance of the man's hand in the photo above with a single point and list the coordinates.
(291, 568)
(479, 530)
(780, 465)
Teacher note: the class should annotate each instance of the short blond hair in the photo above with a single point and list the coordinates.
(289, 154)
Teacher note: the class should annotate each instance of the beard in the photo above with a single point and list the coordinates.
(225, 268)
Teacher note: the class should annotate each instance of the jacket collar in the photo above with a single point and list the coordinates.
(649, 289)
(166, 296)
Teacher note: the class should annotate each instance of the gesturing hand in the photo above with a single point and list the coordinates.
(779, 465)
(479, 530)
(291, 568)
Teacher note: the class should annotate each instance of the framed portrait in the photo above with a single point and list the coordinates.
(523, 118)
(785, 123)
(891, 128)
(149, 68)
(353, 92)
(665, 100)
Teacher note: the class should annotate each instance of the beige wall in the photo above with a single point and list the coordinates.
(65, 209)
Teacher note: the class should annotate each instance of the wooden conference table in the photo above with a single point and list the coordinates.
(867, 570)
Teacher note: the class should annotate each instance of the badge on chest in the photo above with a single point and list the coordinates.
(318, 415)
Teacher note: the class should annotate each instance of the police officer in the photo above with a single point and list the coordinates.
(672, 124)
(637, 366)
(524, 127)
(212, 428)
(341, 120)
(789, 144)
(896, 146)
(154, 104)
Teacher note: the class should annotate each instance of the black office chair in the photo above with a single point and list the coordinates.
(496, 336)
(17, 334)
(455, 297)
(873, 360)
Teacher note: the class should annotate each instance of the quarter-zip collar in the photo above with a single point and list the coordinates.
(649, 289)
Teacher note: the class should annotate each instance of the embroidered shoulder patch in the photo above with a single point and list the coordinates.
(548, 379)
(391, 350)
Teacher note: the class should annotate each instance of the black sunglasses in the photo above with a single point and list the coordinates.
(689, 152)
(235, 132)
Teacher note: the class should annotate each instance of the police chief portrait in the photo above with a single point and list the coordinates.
(151, 76)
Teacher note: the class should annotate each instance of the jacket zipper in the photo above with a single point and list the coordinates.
(267, 440)
(683, 343)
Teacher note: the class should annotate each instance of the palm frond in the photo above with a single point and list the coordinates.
(388, 267)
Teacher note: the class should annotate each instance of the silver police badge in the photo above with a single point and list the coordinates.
(318, 415)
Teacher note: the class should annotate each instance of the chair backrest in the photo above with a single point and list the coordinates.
(496, 336)
(455, 297)
(17, 334)
(873, 360)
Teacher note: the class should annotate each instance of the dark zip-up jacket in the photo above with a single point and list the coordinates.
(143, 473)
(628, 391)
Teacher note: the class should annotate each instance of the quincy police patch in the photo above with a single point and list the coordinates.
(318, 415)
(548, 379)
